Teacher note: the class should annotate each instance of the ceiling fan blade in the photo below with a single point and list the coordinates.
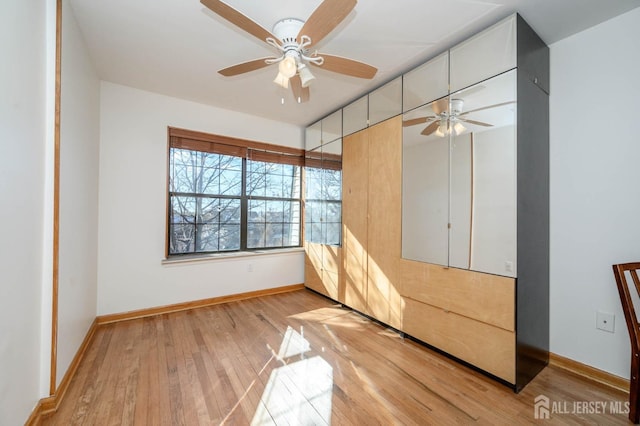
(440, 106)
(430, 128)
(419, 120)
(325, 18)
(478, 123)
(487, 107)
(347, 66)
(238, 19)
(244, 67)
(300, 94)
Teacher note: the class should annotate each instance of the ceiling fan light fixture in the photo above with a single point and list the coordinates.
(282, 80)
(458, 128)
(443, 128)
(305, 75)
(288, 67)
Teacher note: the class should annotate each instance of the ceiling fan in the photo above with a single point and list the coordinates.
(293, 39)
(449, 120)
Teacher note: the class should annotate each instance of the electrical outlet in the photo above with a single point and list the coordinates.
(605, 321)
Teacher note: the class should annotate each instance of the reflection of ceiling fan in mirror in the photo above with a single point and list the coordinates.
(446, 121)
(293, 39)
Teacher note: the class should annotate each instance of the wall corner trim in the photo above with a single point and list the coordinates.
(50, 404)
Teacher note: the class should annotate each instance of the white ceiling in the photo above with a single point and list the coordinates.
(175, 47)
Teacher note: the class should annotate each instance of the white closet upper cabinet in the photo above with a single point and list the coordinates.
(355, 116)
(313, 136)
(484, 55)
(426, 83)
(385, 102)
(332, 127)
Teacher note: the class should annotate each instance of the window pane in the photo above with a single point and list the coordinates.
(230, 182)
(183, 210)
(274, 185)
(230, 211)
(206, 180)
(273, 169)
(292, 211)
(289, 187)
(291, 234)
(181, 238)
(275, 211)
(273, 180)
(208, 209)
(256, 235)
(182, 178)
(274, 235)
(210, 160)
(229, 162)
(257, 211)
(256, 167)
(256, 184)
(288, 235)
(207, 237)
(229, 237)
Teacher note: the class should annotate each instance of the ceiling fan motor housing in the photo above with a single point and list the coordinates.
(456, 107)
(287, 30)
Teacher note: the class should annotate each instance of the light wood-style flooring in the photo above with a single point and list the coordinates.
(299, 359)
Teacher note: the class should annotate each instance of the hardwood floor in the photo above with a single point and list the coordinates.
(298, 359)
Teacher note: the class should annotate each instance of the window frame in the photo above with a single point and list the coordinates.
(247, 150)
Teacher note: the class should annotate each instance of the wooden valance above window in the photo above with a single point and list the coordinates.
(225, 145)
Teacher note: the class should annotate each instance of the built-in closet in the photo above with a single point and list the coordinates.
(428, 203)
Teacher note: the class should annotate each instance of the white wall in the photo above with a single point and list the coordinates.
(79, 137)
(132, 204)
(23, 70)
(595, 191)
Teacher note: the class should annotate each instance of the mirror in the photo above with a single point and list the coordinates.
(323, 194)
(313, 136)
(427, 82)
(459, 179)
(425, 186)
(355, 116)
(332, 127)
(385, 102)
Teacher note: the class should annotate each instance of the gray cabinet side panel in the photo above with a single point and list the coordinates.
(532, 287)
(533, 56)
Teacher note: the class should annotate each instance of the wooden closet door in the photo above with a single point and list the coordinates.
(354, 219)
(385, 221)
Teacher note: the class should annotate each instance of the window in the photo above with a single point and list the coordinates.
(228, 194)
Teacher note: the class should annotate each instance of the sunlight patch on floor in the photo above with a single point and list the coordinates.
(297, 394)
(300, 392)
